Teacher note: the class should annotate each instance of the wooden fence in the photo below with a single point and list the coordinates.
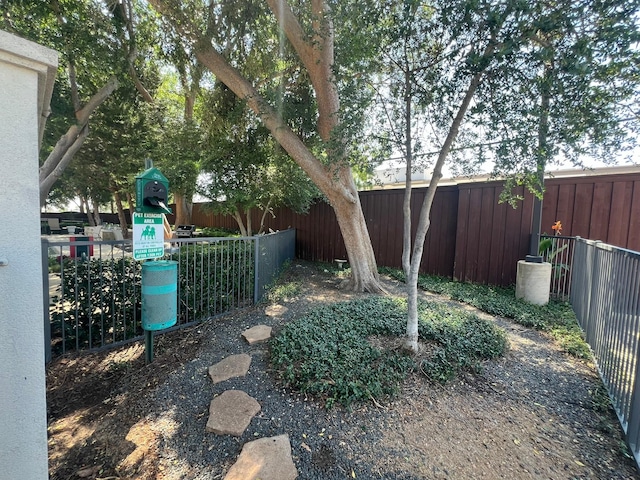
(472, 237)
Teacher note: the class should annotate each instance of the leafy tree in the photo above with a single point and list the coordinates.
(245, 170)
(435, 57)
(84, 35)
(100, 50)
(178, 155)
(111, 158)
(482, 70)
(180, 149)
(214, 32)
(574, 99)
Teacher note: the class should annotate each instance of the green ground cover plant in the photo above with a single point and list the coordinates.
(556, 318)
(218, 232)
(335, 352)
(284, 291)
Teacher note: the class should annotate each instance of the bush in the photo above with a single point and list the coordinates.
(461, 341)
(214, 278)
(329, 353)
(218, 232)
(556, 317)
(101, 300)
(100, 303)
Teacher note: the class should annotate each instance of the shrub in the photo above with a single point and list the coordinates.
(556, 317)
(461, 340)
(218, 232)
(214, 278)
(328, 352)
(100, 303)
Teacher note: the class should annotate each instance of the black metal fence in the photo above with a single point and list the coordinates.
(92, 289)
(606, 299)
(558, 251)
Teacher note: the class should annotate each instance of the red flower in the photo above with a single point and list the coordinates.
(557, 227)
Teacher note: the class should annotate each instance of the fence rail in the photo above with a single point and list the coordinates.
(92, 289)
(605, 297)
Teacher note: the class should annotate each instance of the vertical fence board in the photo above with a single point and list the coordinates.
(620, 207)
(582, 210)
(443, 249)
(564, 210)
(473, 235)
(498, 230)
(601, 208)
(512, 240)
(485, 237)
(633, 242)
(550, 208)
(461, 233)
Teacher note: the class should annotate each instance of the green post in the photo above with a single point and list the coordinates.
(148, 346)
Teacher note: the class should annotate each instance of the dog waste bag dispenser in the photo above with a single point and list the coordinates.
(152, 192)
(159, 294)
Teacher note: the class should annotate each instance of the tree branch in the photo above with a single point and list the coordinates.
(69, 138)
(127, 13)
(317, 57)
(292, 28)
(47, 182)
(292, 144)
(321, 175)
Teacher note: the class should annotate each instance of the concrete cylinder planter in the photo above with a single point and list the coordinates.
(533, 281)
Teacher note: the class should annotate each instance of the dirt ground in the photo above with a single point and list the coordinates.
(535, 413)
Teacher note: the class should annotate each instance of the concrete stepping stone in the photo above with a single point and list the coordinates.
(275, 310)
(257, 334)
(231, 412)
(264, 459)
(233, 366)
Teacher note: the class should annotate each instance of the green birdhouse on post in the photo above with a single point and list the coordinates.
(152, 192)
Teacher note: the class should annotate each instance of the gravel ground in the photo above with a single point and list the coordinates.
(533, 414)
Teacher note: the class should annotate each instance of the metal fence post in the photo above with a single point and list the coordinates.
(44, 254)
(256, 270)
(632, 429)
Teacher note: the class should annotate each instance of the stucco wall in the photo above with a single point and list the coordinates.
(23, 429)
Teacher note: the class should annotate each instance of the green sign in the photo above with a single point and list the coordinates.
(148, 236)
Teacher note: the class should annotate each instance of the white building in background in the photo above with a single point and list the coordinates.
(27, 72)
(395, 177)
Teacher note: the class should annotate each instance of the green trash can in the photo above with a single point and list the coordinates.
(159, 294)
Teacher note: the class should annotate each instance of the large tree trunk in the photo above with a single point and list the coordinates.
(132, 205)
(364, 271)
(96, 212)
(238, 218)
(121, 216)
(184, 208)
(86, 208)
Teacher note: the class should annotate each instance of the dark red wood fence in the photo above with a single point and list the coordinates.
(472, 237)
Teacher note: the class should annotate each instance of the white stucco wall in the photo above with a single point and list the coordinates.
(26, 72)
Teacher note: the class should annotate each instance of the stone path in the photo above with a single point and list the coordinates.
(231, 412)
